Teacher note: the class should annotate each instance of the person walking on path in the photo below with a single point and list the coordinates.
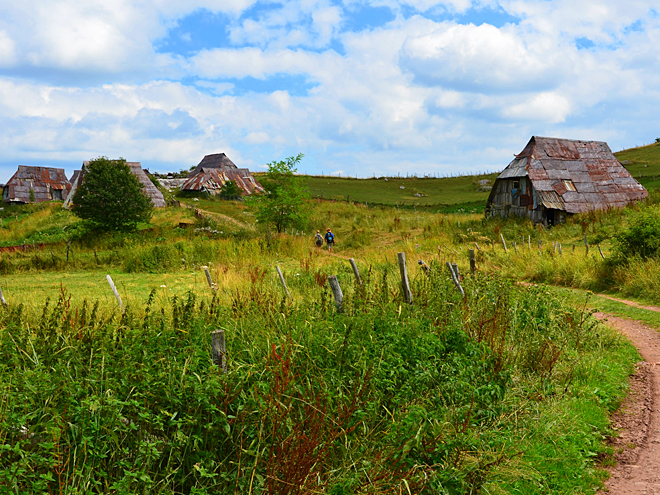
(329, 239)
(318, 239)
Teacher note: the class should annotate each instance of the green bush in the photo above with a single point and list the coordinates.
(642, 236)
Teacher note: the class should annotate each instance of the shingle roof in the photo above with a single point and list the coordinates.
(212, 179)
(41, 180)
(149, 188)
(217, 160)
(552, 165)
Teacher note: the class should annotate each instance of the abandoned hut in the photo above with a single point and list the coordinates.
(214, 171)
(552, 178)
(36, 185)
(149, 188)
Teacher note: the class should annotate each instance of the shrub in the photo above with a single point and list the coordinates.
(642, 236)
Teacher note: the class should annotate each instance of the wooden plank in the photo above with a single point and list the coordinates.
(407, 295)
(336, 291)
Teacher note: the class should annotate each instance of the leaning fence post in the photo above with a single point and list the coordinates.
(286, 289)
(219, 349)
(336, 291)
(455, 277)
(586, 245)
(114, 289)
(407, 295)
(601, 252)
(212, 286)
(560, 249)
(473, 262)
(504, 243)
(355, 271)
(2, 298)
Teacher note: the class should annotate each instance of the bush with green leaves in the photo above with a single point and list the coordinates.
(642, 236)
(111, 197)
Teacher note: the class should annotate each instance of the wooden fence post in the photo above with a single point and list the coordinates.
(286, 289)
(560, 249)
(455, 277)
(355, 271)
(586, 245)
(2, 298)
(336, 291)
(601, 252)
(212, 286)
(473, 262)
(114, 289)
(219, 349)
(407, 295)
(529, 241)
(504, 243)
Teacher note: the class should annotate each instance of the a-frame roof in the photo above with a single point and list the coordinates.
(575, 176)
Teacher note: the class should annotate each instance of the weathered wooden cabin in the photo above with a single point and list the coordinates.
(214, 171)
(36, 185)
(149, 188)
(552, 178)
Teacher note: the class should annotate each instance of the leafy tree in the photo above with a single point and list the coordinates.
(230, 190)
(111, 197)
(642, 236)
(283, 205)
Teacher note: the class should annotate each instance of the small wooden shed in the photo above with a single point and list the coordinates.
(552, 178)
(36, 185)
(214, 171)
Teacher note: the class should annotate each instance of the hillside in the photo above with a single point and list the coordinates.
(643, 163)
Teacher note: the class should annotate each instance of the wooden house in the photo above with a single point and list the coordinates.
(36, 185)
(552, 178)
(149, 188)
(214, 171)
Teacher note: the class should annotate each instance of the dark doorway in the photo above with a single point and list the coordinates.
(550, 215)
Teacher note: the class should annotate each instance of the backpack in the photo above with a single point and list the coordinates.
(330, 237)
(318, 238)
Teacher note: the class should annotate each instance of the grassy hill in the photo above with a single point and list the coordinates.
(643, 163)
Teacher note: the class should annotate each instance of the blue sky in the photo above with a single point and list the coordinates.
(360, 87)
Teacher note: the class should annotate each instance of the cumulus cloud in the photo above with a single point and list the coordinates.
(482, 58)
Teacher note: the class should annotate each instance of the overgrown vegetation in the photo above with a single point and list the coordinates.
(507, 391)
(379, 399)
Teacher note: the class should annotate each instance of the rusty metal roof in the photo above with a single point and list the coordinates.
(600, 181)
(46, 184)
(212, 179)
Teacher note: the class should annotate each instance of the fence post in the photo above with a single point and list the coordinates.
(212, 286)
(219, 348)
(114, 289)
(601, 252)
(455, 277)
(473, 262)
(504, 243)
(529, 241)
(586, 245)
(336, 291)
(2, 298)
(355, 271)
(560, 249)
(286, 289)
(407, 295)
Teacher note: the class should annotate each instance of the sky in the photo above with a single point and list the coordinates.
(360, 87)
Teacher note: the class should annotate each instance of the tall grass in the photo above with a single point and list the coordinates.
(507, 391)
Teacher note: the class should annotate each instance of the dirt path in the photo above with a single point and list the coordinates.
(637, 447)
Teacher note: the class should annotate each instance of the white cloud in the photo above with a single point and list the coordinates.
(7, 49)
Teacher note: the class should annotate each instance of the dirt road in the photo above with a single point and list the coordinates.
(638, 445)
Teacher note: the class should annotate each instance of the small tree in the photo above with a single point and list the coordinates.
(230, 190)
(283, 204)
(111, 197)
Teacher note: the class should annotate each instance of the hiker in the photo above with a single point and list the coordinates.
(318, 239)
(329, 239)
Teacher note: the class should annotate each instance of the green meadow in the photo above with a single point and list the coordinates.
(505, 390)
